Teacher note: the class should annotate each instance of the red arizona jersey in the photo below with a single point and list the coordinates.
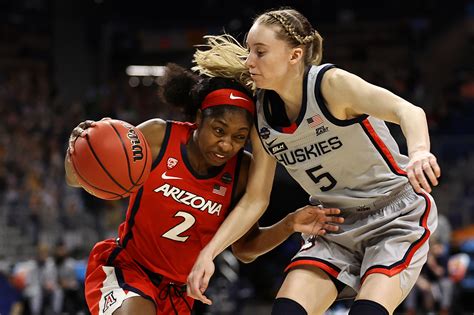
(176, 212)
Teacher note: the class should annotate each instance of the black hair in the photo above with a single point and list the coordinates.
(181, 87)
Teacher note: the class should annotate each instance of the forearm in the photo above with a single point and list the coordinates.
(262, 240)
(71, 179)
(415, 129)
(238, 222)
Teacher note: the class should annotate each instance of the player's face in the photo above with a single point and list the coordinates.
(220, 138)
(269, 57)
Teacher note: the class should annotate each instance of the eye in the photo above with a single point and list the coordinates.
(219, 131)
(260, 53)
(240, 138)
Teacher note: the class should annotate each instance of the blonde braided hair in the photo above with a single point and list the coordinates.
(292, 28)
(224, 56)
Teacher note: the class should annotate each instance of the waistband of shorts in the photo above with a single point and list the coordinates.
(380, 203)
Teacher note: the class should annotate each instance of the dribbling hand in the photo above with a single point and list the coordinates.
(423, 166)
(79, 132)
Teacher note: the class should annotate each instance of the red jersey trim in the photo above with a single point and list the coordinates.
(131, 220)
(164, 144)
(327, 267)
(381, 147)
(405, 262)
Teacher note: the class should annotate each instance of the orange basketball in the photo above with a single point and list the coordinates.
(113, 159)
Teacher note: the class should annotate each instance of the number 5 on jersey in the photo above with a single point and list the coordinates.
(318, 178)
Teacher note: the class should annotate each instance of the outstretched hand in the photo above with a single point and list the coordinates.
(423, 166)
(315, 220)
(198, 278)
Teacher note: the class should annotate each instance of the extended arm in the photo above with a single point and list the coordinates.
(248, 210)
(308, 219)
(350, 96)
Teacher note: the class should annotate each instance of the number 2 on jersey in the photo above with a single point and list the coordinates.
(174, 232)
(317, 178)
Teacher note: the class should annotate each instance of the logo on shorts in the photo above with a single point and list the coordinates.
(109, 300)
(362, 209)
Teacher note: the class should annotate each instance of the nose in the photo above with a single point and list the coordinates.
(249, 61)
(225, 145)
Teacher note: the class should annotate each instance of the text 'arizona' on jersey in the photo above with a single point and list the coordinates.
(180, 209)
(342, 163)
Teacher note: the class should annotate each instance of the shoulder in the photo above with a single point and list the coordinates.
(335, 76)
(339, 78)
(152, 126)
(340, 84)
(154, 132)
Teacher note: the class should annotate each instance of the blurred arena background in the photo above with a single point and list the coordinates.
(64, 61)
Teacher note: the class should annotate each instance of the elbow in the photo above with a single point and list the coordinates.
(245, 258)
(413, 111)
(243, 255)
(420, 111)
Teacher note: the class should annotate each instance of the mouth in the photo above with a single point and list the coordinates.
(221, 158)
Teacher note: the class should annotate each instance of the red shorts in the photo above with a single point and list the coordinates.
(113, 276)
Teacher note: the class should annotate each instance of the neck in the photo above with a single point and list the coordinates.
(195, 157)
(291, 93)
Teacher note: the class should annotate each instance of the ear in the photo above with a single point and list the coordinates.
(296, 55)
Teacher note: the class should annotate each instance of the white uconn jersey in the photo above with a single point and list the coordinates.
(342, 163)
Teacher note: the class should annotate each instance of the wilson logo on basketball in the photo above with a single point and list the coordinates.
(137, 150)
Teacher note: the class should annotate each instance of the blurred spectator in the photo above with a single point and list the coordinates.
(39, 283)
(10, 301)
(68, 300)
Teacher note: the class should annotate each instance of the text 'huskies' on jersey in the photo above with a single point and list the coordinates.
(308, 152)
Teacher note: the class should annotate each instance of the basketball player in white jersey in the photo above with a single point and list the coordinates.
(326, 127)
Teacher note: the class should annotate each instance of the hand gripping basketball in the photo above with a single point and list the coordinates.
(111, 158)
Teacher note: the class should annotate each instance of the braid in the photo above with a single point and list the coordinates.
(290, 29)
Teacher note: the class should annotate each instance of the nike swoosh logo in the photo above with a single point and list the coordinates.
(164, 176)
(233, 97)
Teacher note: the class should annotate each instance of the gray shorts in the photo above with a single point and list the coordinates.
(391, 238)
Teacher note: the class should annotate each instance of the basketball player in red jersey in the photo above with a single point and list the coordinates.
(199, 170)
